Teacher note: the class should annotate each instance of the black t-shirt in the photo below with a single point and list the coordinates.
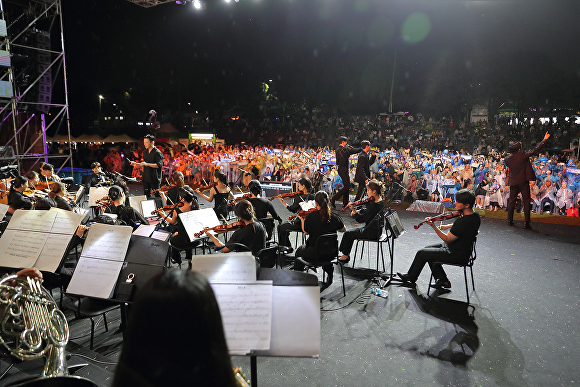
(465, 229)
(129, 215)
(262, 207)
(17, 200)
(62, 203)
(252, 235)
(152, 175)
(314, 226)
(368, 216)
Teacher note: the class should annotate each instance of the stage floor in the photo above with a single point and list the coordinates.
(521, 328)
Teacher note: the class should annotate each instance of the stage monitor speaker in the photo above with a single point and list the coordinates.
(425, 206)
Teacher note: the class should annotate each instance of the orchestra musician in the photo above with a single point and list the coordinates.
(342, 154)
(56, 194)
(262, 207)
(180, 239)
(33, 179)
(456, 246)
(304, 186)
(369, 215)
(126, 214)
(220, 193)
(320, 222)
(247, 177)
(173, 194)
(98, 177)
(47, 174)
(16, 198)
(252, 234)
(152, 165)
(363, 171)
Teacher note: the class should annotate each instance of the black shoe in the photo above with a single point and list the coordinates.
(527, 226)
(510, 223)
(442, 283)
(405, 278)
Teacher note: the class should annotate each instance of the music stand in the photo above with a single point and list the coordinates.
(394, 228)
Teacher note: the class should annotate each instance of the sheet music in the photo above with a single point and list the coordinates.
(230, 267)
(161, 235)
(144, 230)
(107, 242)
(95, 277)
(246, 310)
(32, 220)
(54, 249)
(3, 210)
(96, 193)
(195, 221)
(307, 205)
(20, 249)
(65, 222)
(135, 202)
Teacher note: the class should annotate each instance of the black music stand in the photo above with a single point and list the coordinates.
(394, 229)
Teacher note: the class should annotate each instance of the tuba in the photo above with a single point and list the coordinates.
(31, 325)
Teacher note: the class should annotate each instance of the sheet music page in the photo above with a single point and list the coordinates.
(32, 220)
(3, 210)
(107, 242)
(161, 235)
(53, 251)
(96, 193)
(195, 221)
(144, 230)
(308, 205)
(65, 222)
(135, 202)
(94, 277)
(246, 310)
(229, 267)
(20, 249)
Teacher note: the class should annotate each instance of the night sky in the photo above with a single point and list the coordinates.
(336, 52)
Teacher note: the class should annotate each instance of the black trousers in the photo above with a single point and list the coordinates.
(343, 173)
(149, 186)
(308, 253)
(349, 237)
(362, 188)
(182, 243)
(284, 231)
(524, 188)
(431, 254)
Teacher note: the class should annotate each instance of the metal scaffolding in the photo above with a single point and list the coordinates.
(150, 3)
(33, 82)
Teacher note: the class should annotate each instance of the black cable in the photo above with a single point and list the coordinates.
(361, 296)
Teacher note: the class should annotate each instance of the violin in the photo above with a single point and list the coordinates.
(358, 203)
(202, 188)
(220, 228)
(303, 213)
(42, 185)
(286, 195)
(105, 200)
(449, 215)
(163, 188)
(238, 199)
(166, 208)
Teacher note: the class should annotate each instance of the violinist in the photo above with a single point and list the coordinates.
(317, 223)
(33, 179)
(56, 194)
(456, 246)
(369, 215)
(47, 174)
(98, 177)
(16, 198)
(220, 193)
(126, 214)
(252, 234)
(285, 228)
(172, 195)
(262, 207)
(180, 239)
(247, 177)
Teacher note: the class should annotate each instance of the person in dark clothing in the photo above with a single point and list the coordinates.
(457, 243)
(219, 193)
(342, 154)
(315, 224)
(363, 171)
(98, 177)
(16, 199)
(520, 173)
(252, 234)
(180, 238)
(152, 165)
(57, 194)
(370, 216)
(125, 214)
(262, 207)
(285, 228)
(172, 195)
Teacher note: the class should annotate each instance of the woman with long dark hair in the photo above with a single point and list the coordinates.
(220, 193)
(198, 358)
(125, 213)
(16, 198)
(320, 222)
(57, 193)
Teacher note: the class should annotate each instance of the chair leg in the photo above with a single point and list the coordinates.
(105, 320)
(472, 281)
(466, 286)
(92, 332)
(429, 287)
(342, 277)
(355, 253)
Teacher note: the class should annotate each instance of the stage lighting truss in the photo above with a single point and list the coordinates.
(150, 3)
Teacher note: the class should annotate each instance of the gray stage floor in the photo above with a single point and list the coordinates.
(521, 328)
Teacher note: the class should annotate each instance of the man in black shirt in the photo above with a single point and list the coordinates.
(363, 171)
(152, 165)
(97, 177)
(342, 154)
(284, 229)
(457, 244)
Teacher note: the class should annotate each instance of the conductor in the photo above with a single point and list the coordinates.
(520, 174)
(342, 154)
(152, 164)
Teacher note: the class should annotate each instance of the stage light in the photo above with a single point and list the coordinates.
(197, 4)
(227, 1)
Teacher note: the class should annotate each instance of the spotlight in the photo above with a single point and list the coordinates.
(197, 4)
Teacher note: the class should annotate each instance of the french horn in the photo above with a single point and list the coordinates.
(31, 325)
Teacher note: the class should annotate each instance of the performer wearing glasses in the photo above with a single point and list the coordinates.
(152, 165)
